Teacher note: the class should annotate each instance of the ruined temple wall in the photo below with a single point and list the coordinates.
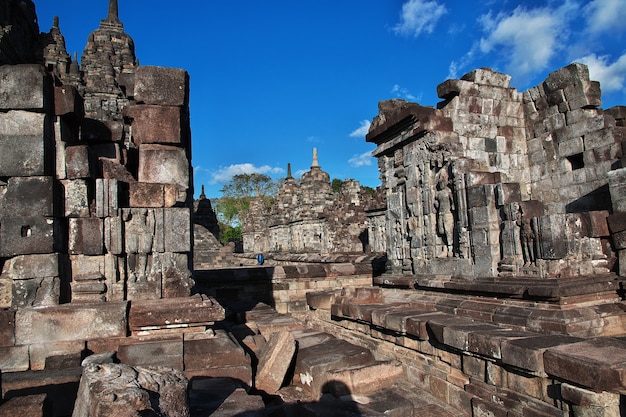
(83, 217)
(494, 181)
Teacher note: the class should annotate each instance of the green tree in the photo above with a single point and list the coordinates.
(336, 184)
(235, 201)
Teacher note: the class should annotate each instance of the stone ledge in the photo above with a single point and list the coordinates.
(597, 364)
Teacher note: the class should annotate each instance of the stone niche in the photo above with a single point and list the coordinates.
(496, 182)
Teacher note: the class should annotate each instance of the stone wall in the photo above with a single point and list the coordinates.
(498, 182)
(94, 205)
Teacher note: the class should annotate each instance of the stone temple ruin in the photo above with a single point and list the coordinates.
(484, 278)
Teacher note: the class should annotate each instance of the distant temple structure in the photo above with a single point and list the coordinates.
(308, 217)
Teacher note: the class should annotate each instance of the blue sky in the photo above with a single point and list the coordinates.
(272, 79)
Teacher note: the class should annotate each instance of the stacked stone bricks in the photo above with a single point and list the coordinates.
(96, 189)
(495, 182)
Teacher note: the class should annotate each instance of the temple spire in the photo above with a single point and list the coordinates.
(315, 162)
(289, 171)
(113, 11)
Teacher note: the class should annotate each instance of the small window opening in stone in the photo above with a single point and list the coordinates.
(26, 231)
(576, 161)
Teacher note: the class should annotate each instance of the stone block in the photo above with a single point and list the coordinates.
(6, 292)
(157, 124)
(76, 198)
(24, 87)
(36, 292)
(114, 170)
(488, 343)
(486, 76)
(599, 364)
(177, 228)
(314, 363)
(70, 322)
(161, 86)
(113, 235)
(167, 353)
(176, 274)
(527, 353)
(174, 312)
(570, 75)
(146, 194)
(96, 131)
(68, 102)
(40, 353)
(30, 405)
(25, 140)
(77, 162)
(364, 380)
(86, 236)
(552, 229)
(163, 164)
(213, 350)
(32, 266)
(28, 197)
(107, 197)
(14, 359)
(29, 235)
(7, 327)
(480, 196)
(596, 223)
(23, 156)
(274, 361)
(121, 390)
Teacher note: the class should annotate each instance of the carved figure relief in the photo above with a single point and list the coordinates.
(444, 204)
(139, 238)
(528, 238)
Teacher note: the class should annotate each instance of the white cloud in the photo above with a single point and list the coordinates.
(419, 16)
(528, 38)
(612, 76)
(362, 130)
(605, 16)
(401, 92)
(225, 174)
(362, 160)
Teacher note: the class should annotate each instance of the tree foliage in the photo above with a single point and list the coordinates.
(235, 201)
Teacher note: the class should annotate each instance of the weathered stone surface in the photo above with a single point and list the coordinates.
(77, 162)
(364, 379)
(76, 198)
(28, 197)
(30, 405)
(213, 350)
(7, 327)
(166, 351)
(156, 124)
(32, 266)
(24, 87)
(597, 363)
(163, 164)
(115, 389)
(274, 361)
(14, 358)
(527, 353)
(177, 224)
(174, 312)
(70, 322)
(161, 86)
(42, 354)
(28, 235)
(67, 101)
(86, 236)
(313, 363)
